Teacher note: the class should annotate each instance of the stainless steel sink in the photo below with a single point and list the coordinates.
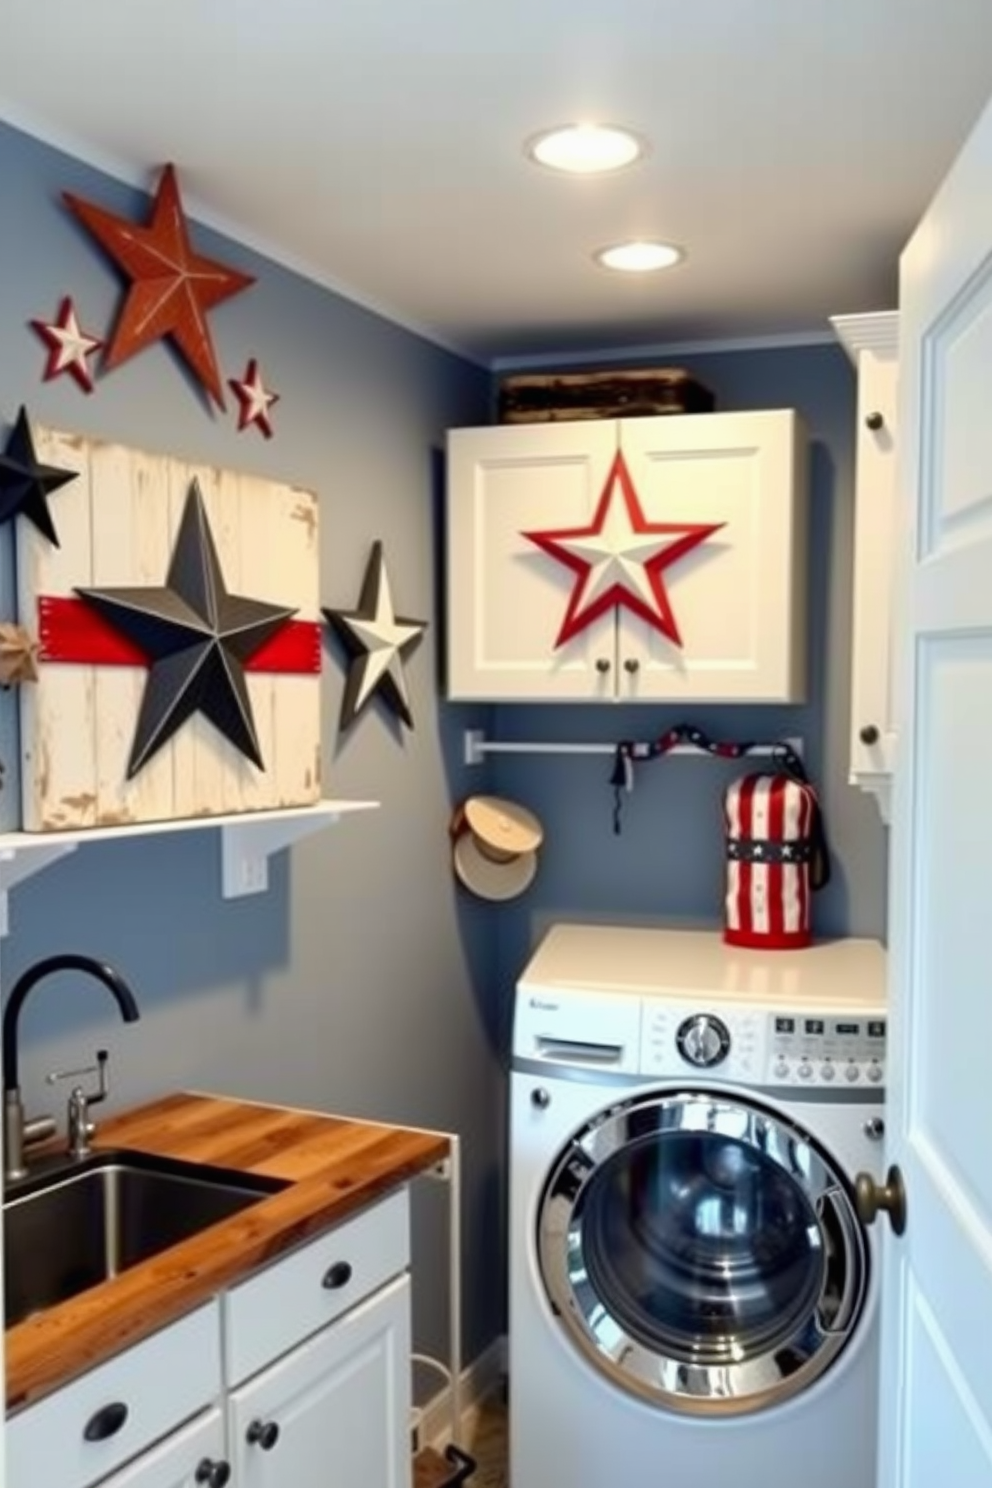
(70, 1228)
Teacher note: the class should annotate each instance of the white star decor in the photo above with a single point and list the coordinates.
(377, 640)
(619, 558)
(254, 399)
(68, 346)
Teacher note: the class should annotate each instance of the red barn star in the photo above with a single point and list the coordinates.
(171, 287)
(254, 398)
(619, 558)
(68, 346)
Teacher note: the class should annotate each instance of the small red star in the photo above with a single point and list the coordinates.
(68, 346)
(619, 560)
(171, 287)
(254, 398)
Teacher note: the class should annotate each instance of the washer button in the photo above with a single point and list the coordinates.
(781, 1070)
(826, 1071)
(852, 1072)
(874, 1072)
(805, 1070)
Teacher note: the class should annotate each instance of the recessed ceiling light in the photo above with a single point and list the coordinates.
(640, 257)
(586, 149)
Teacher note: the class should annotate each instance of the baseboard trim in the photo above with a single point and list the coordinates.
(485, 1374)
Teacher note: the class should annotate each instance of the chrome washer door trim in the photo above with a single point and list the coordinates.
(747, 1266)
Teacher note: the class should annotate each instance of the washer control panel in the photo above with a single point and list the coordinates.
(827, 1050)
(800, 1049)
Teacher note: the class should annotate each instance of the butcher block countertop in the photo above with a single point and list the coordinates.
(333, 1165)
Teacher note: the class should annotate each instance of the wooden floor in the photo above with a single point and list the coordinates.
(484, 1438)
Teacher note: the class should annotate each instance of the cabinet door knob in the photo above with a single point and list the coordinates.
(337, 1276)
(264, 1434)
(602, 665)
(213, 1474)
(631, 665)
(874, 421)
(106, 1422)
(869, 734)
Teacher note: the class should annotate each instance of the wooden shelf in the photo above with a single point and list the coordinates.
(248, 840)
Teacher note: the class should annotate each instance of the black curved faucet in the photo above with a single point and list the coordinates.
(17, 1133)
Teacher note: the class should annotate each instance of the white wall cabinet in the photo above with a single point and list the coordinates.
(872, 342)
(315, 1382)
(328, 1410)
(739, 598)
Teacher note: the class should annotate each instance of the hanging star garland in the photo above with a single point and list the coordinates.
(620, 557)
(377, 640)
(68, 346)
(254, 398)
(197, 638)
(171, 287)
(26, 484)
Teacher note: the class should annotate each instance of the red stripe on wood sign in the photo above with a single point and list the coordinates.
(776, 872)
(71, 630)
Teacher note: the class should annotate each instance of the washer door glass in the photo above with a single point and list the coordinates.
(702, 1250)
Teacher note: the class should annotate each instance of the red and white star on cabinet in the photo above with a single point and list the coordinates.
(647, 559)
(619, 558)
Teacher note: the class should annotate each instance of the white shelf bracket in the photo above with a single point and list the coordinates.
(247, 846)
(17, 864)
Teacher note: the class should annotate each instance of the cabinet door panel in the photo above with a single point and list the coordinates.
(340, 1404)
(739, 598)
(507, 599)
(174, 1463)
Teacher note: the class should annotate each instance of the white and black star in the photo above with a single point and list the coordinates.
(377, 640)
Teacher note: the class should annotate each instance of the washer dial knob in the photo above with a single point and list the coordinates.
(703, 1040)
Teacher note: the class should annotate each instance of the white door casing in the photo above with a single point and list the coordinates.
(937, 1331)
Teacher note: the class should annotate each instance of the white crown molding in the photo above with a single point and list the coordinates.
(878, 332)
(126, 172)
(659, 350)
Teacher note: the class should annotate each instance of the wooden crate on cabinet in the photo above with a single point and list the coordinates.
(739, 598)
(872, 342)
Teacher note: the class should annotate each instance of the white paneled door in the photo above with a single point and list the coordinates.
(937, 1332)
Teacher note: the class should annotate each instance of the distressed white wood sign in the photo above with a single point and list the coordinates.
(117, 524)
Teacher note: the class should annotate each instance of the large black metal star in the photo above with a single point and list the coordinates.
(25, 485)
(376, 639)
(198, 639)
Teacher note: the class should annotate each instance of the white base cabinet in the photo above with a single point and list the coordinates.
(322, 1414)
(738, 598)
(192, 1458)
(872, 342)
(314, 1388)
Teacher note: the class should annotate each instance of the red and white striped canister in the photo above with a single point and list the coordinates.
(771, 826)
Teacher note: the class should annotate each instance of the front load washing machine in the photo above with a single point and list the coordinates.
(693, 1299)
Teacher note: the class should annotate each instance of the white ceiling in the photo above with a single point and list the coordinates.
(377, 146)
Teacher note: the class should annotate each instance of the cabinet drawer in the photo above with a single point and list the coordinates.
(175, 1462)
(295, 1296)
(160, 1382)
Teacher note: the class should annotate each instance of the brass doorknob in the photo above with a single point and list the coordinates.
(871, 1197)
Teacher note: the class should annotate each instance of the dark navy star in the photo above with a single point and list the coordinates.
(198, 639)
(25, 485)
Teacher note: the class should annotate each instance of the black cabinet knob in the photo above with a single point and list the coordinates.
(874, 421)
(213, 1474)
(107, 1421)
(869, 734)
(264, 1434)
(631, 665)
(602, 665)
(337, 1276)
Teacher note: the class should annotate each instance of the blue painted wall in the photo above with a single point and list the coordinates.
(355, 984)
(364, 982)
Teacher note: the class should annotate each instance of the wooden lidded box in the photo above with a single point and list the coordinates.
(538, 398)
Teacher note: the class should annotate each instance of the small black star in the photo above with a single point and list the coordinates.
(25, 485)
(198, 639)
(377, 640)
